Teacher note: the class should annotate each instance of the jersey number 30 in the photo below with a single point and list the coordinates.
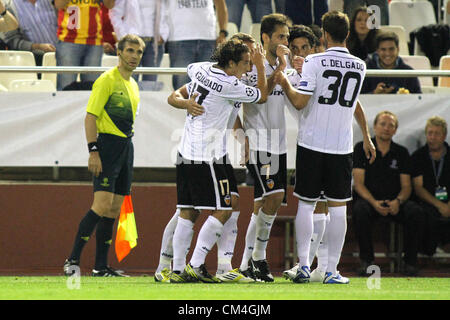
(339, 88)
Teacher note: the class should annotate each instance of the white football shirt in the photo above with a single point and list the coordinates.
(333, 79)
(265, 124)
(204, 135)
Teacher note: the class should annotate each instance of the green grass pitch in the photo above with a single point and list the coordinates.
(145, 288)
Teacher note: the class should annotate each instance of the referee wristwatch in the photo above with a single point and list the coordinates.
(224, 32)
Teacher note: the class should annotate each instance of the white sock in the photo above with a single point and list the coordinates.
(319, 220)
(322, 252)
(225, 245)
(304, 228)
(264, 224)
(249, 242)
(182, 238)
(166, 253)
(210, 232)
(336, 230)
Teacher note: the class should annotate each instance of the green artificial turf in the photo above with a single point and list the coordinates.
(140, 287)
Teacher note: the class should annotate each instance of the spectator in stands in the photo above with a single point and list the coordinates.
(37, 27)
(300, 11)
(109, 36)
(431, 180)
(140, 17)
(80, 38)
(382, 190)
(351, 5)
(192, 35)
(257, 8)
(387, 57)
(361, 41)
(7, 20)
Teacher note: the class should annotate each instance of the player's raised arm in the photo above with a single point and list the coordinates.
(368, 146)
(298, 100)
(257, 57)
(180, 99)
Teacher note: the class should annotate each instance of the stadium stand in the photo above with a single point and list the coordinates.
(444, 64)
(32, 86)
(109, 61)
(419, 63)
(16, 58)
(255, 30)
(49, 60)
(166, 79)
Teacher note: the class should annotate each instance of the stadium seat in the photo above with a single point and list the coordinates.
(419, 63)
(335, 5)
(444, 64)
(49, 60)
(166, 79)
(32, 86)
(255, 30)
(16, 58)
(411, 15)
(402, 37)
(3, 89)
(109, 61)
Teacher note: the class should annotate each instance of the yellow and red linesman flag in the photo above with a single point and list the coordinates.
(126, 237)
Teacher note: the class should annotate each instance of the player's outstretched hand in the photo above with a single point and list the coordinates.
(257, 56)
(297, 63)
(193, 107)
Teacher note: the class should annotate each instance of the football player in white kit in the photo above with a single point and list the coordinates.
(226, 243)
(328, 92)
(302, 42)
(202, 178)
(265, 127)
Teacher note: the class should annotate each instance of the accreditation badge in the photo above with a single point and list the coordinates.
(441, 193)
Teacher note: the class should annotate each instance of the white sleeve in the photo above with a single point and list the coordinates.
(308, 81)
(240, 92)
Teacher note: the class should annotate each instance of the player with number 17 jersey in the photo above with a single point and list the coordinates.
(334, 79)
(203, 136)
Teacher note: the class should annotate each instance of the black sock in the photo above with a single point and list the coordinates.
(104, 239)
(85, 229)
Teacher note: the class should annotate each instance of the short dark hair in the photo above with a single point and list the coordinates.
(130, 38)
(387, 36)
(243, 37)
(301, 31)
(271, 21)
(230, 50)
(317, 32)
(336, 23)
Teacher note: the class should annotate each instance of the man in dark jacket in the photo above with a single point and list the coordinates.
(387, 57)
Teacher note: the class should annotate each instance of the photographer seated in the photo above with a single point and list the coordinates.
(382, 192)
(387, 57)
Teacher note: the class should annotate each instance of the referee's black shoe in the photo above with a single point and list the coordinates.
(108, 272)
(261, 270)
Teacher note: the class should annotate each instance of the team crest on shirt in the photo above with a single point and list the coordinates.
(270, 183)
(394, 164)
(227, 199)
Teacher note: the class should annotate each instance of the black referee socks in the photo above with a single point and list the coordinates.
(103, 236)
(85, 229)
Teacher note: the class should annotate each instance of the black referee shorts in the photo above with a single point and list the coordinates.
(117, 156)
(317, 171)
(203, 185)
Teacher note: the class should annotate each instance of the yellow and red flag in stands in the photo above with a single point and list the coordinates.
(126, 237)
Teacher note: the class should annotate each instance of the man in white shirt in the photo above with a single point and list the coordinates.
(328, 92)
(149, 19)
(193, 33)
(265, 127)
(202, 178)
